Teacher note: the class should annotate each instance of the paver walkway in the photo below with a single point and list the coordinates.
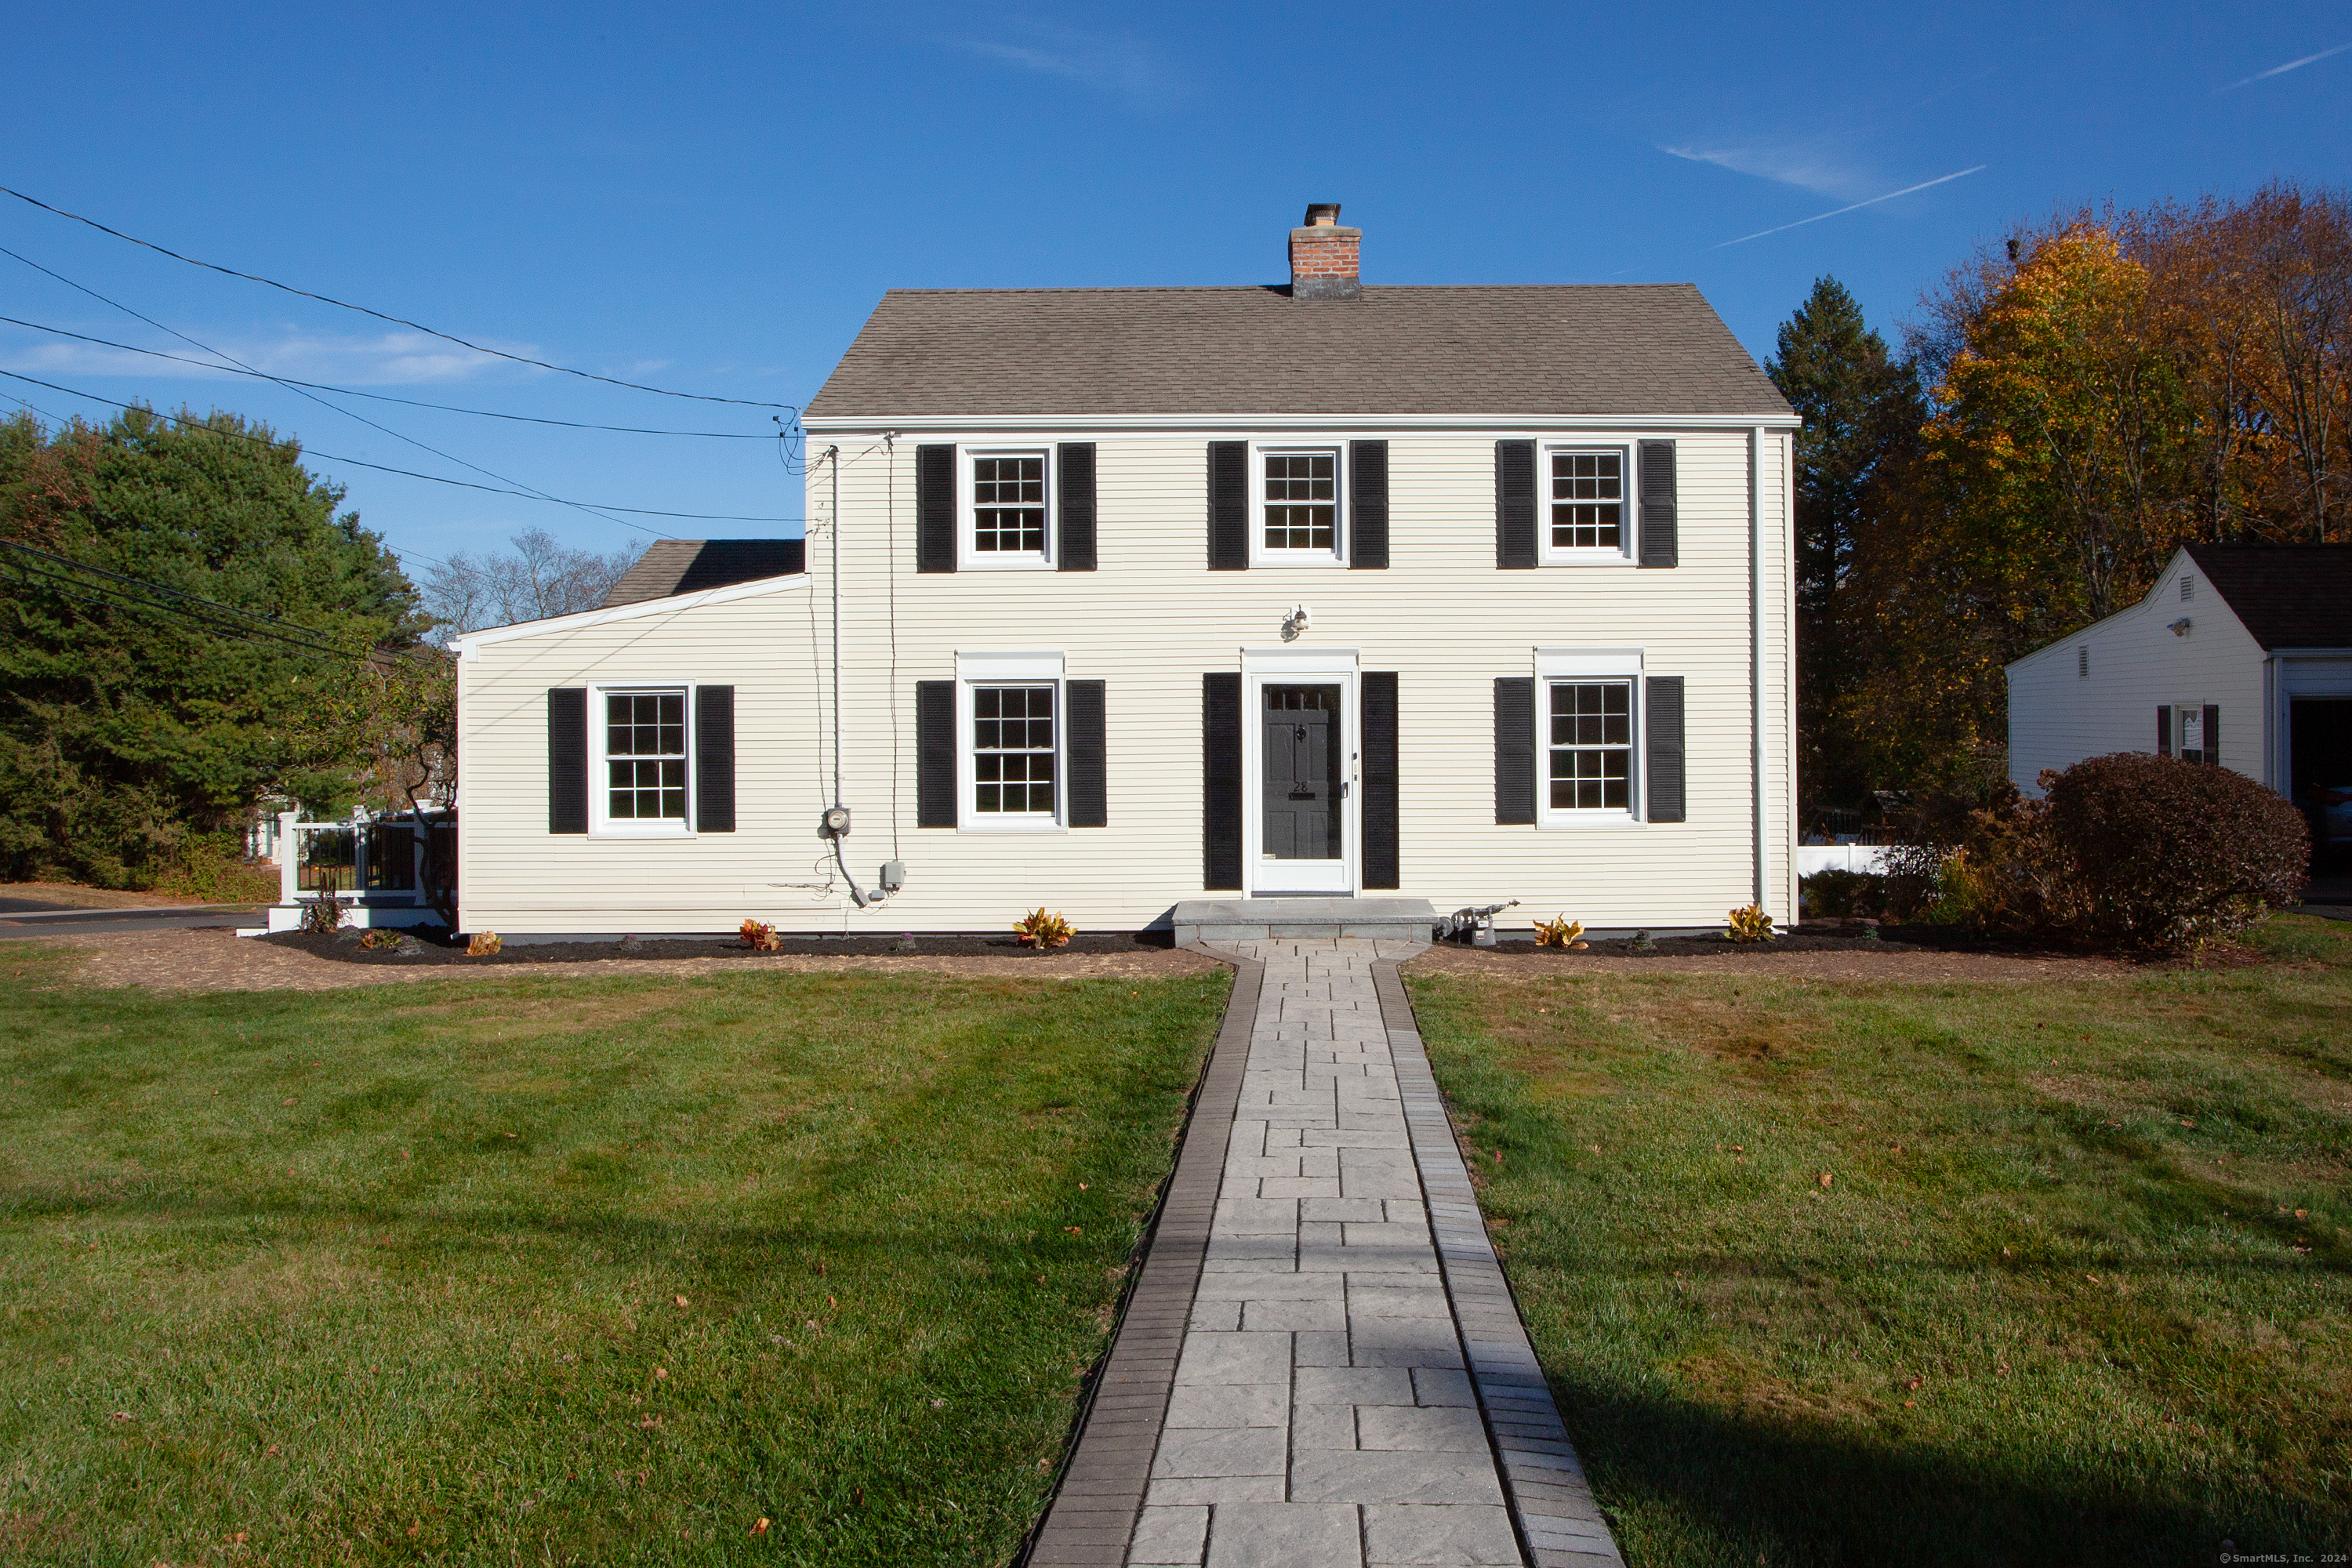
(1353, 1387)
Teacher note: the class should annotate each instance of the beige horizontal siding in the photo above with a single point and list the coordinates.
(1148, 622)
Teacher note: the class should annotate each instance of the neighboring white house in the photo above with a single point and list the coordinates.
(2240, 655)
(1119, 597)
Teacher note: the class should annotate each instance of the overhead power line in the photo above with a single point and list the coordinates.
(333, 407)
(380, 396)
(380, 316)
(382, 469)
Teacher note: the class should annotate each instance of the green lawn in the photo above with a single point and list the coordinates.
(565, 1270)
(2076, 1289)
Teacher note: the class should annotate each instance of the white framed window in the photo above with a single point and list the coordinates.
(1588, 506)
(641, 740)
(1011, 749)
(1298, 508)
(1006, 509)
(1588, 737)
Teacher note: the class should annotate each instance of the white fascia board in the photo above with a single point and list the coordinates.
(470, 645)
(1152, 424)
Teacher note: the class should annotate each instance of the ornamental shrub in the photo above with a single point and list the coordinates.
(2161, 852)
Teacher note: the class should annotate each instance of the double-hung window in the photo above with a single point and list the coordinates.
(1011, 748)
(1588, 506)
(1588, 737)
(1298, 508)
(1012, 752)
(1588, 755)
(1006, 520)
(641, 743)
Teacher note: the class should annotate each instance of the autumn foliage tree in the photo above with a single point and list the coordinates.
(2102, 388)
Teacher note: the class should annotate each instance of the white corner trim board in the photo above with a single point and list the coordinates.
(469, 647)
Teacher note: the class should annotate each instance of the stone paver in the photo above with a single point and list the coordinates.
(1350, 1385)
(1328, 1413)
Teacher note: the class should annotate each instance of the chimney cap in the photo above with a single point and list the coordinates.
(1322, 213)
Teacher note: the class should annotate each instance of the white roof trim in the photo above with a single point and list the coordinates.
(469, 647)
(868, 425)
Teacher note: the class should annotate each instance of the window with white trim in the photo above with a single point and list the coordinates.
(1015, 752)
(1588, 504)
(1298, 500)
(643, 750)
(1589, 747)
(1005, 522)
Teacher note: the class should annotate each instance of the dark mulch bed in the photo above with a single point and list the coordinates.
(435, 947)
(1819, 936)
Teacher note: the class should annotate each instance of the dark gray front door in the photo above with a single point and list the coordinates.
(1303, 775)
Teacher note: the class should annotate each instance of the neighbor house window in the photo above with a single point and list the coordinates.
(1008, 508)
(1013, 751)
(1588, 756)
(645, 757)
(1299, 506)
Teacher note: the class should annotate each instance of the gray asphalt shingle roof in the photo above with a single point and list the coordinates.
(1569, 348)
(2287, 596)
(673, 566)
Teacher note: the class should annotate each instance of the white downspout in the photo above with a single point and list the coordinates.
(1756, 651)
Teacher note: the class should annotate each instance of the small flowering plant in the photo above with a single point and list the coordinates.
(1751, 924)
(1560, 933)
(759, 936)
(1044, 932)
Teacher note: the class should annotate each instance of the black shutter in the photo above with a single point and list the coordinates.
(1229, 510)
(567, 759)
(1379, 805)
(935, 509)
(2164, 729)
(1662, 722)
(1075, 547)
(2212, 734)
(1368, 509)
(1221, 783)
(935, 754)
(1514, 749)
(1660, 546)
(1515, 505)
(714, 759)
(1089, 796)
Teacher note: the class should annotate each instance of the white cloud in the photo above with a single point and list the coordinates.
(1814, 164)
(1124, 66)
(385, 359)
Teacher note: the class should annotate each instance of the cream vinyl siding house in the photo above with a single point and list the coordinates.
(1073, 668)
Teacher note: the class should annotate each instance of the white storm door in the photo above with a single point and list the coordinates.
(1300, 735)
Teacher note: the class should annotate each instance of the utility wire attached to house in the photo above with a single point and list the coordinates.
(396, 320)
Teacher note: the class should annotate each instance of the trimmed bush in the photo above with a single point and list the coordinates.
(1835, 893)
(2166, 854)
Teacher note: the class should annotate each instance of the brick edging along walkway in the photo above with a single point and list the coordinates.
(1093, 1513)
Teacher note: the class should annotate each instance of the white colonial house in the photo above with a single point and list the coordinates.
(1119, 599)
(2240, 656)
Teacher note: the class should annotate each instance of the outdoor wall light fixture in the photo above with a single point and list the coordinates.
(1297, 621)
(2180, 628)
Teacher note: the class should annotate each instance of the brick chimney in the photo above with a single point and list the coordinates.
(1324, 257)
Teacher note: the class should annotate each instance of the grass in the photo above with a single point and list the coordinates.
(1992, 1273)
(555, 1270)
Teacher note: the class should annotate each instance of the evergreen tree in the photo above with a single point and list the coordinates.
(139, 724)
(1861, 406)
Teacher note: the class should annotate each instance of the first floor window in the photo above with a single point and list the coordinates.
(645, 757)
(1588, 501)
(1008, 505)
(1013, 751)
(1302, 501)
(1591, 749)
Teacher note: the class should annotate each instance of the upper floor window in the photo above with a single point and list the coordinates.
(1007, 509)
(1587, 501)
(1298, 508)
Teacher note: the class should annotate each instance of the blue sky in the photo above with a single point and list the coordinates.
(712, 199)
